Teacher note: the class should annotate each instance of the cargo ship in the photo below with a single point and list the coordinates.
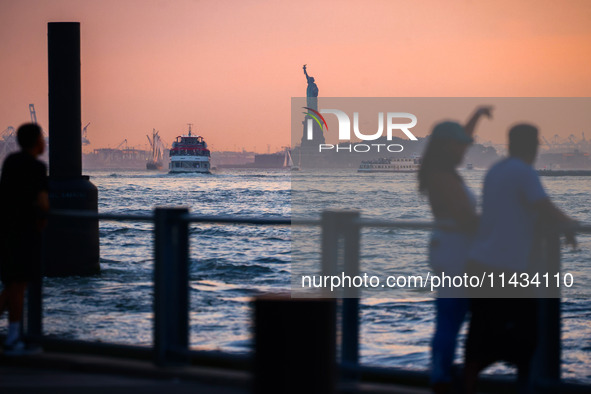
(189, 153)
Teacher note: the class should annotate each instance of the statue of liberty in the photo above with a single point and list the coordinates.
(311, 92)
(312, 103)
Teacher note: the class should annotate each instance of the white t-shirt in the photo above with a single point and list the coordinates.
(505, 234)
(448, 250)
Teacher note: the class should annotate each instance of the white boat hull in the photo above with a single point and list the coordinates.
(188, 170)
(385, 170)
(391, 165)
(189, 164)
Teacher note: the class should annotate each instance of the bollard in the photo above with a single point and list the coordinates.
(171, 286)
(295, 345)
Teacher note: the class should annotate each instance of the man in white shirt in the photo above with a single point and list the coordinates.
(514, 203)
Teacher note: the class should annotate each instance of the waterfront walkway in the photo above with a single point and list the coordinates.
(67, 373)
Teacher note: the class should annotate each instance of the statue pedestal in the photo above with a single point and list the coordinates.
(317, 135)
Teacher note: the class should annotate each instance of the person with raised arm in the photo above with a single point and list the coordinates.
(454, 208)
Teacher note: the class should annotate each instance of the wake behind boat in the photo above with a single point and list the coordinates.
(189, 153)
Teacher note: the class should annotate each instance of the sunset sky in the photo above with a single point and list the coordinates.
(231, 67)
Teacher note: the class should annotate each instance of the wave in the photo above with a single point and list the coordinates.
(215, 267)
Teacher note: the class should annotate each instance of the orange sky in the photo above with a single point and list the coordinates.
(231, 67)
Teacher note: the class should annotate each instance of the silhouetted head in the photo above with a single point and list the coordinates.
(30, 138)
(452, 131)
(311, 79)
(523, 142)
(450, 140)
(445, 150)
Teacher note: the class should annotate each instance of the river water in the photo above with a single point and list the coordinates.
(231, 263)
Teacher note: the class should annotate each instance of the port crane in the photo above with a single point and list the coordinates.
(572, 139)
(8, 144)
(9, 132)
(121, 144)
(549, 145)
(85, 140)
(33, 113)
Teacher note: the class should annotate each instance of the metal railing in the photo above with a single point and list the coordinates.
(171, 292)
(347, 225)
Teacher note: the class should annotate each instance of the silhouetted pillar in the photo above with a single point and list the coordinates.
(72, 244)
(171, 286)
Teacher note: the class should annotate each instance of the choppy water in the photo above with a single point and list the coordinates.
(229, 264)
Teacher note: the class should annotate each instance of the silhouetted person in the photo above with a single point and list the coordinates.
(514, 201)
(23, 202)
(454, 208)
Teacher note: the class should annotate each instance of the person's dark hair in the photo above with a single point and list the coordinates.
(435, 158)
(523, 140)
(27, 135)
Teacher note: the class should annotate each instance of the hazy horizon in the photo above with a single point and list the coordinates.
(231, 68)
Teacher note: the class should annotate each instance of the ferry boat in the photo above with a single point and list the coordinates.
(189, 153)
(391, 165)
(548, 172)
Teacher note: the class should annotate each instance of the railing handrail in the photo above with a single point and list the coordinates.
(222, 219)
(272, 221)
(87, 214)
(171, 269)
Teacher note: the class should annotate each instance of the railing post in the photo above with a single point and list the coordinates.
(35, 304)
(171, 287)
(350, 324)
(547, 359)
(336, 225)
(35, 309)
(330, 236)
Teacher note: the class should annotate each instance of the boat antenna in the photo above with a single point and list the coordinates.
(190, 124)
